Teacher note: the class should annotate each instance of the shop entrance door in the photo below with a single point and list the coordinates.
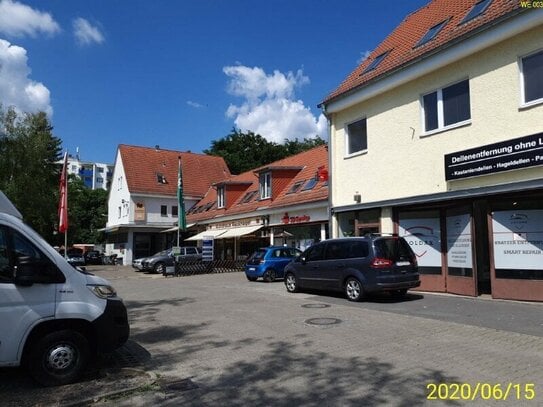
(482, 254)
(460, 268)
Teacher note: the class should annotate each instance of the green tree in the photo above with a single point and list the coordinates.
(87, 212)
(29, 174)
(245, 151)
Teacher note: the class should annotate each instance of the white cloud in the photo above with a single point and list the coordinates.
(269, 107)
(363, 56)
(19, 20)
(16, 89)
(194, 104)
(85, 33)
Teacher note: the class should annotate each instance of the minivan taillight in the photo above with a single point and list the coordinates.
(381, 263)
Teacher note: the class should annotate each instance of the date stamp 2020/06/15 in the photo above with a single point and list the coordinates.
(485, 391)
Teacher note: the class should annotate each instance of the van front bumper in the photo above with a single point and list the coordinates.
(111, 328)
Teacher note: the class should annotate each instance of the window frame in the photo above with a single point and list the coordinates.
(265, 185)
(221, 197)
(164, 210)
(523, 103)
(441, 127)
(473, 13)
(348, 153)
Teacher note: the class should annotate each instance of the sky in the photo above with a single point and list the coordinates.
(180, 73)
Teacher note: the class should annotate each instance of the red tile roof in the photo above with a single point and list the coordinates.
(305, 165)
(142, 164)
(401, 43)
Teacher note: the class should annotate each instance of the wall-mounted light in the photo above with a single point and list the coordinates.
(357, 197)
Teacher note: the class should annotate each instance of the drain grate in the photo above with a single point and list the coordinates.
(178, 385)
(315, 306)
(322, 321)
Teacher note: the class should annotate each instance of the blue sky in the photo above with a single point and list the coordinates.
(181, 73)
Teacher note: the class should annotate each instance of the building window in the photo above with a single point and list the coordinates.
(220, 197)
(375, 63)
(446, 107)
(119, 212)
(432, 33)
(161, 179)
(296, 187)
(100, 169)
(310, 184)
(175, 210)
(163, 210)
(476, 10)
(357, 137)
(265, 185)
(531, 71)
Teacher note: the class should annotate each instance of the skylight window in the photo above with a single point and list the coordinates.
(477, 9)
(248, 196)
(431, 33)
(310, 184)
(295, 187)
(161, 179)
(375, 63)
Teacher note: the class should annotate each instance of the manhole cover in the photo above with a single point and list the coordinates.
(322, 321)
(315, 306)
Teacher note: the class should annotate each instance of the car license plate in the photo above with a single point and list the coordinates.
(252, 269)
(402, 263)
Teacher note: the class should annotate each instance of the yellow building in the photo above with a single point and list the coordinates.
(438, 137)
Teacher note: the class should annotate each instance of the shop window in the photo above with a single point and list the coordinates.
(357, 137)
(531, 72)
(446, 108)
(265, 185)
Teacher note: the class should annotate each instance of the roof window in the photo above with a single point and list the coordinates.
(310, 184)
(432, 33)
(161, 179)
(248, 196)
(295, 187)
(478, 9)
(375, 63)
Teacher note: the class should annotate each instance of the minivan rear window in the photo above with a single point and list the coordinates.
(392, 249)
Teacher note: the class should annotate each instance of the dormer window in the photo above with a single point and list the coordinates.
(265, 185)
(478, 9)
(220, 197)
(161, 179)
(432, 33)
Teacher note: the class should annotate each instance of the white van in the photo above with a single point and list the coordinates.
(53, 317)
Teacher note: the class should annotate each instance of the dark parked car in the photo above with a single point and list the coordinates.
(75, 257)
(158, 262)
(93, 257)
(356, 266)
(269, 262)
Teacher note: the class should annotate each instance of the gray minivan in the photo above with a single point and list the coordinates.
(356, 265)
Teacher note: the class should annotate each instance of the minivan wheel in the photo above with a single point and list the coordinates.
(353, 289)
(291, 283)
(58, 358)
(269, 276)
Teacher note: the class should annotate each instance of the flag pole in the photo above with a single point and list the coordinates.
(63, 203)
(181, 220)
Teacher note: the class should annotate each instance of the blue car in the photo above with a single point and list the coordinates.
(269, 262)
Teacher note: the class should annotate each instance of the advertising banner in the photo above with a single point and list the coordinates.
(423, 235)
(518, 239)
(459, 248)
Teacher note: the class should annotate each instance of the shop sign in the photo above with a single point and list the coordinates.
(207, 248)
(286, 219)
(459, 242)
(508, 155)
(423, 235)
(518, 239)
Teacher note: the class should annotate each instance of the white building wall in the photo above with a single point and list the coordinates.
(402, 162)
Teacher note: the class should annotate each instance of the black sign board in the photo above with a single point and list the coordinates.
(507, 155)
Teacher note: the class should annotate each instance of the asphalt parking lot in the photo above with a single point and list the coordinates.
(221, 340)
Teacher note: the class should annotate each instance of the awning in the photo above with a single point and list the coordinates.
(213, 233)
(174, 229)
(236, 232)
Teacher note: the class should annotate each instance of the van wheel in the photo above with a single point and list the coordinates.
(159, 268)
(269, 276)
(291, 283)
(353, 289)
(58, 358)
